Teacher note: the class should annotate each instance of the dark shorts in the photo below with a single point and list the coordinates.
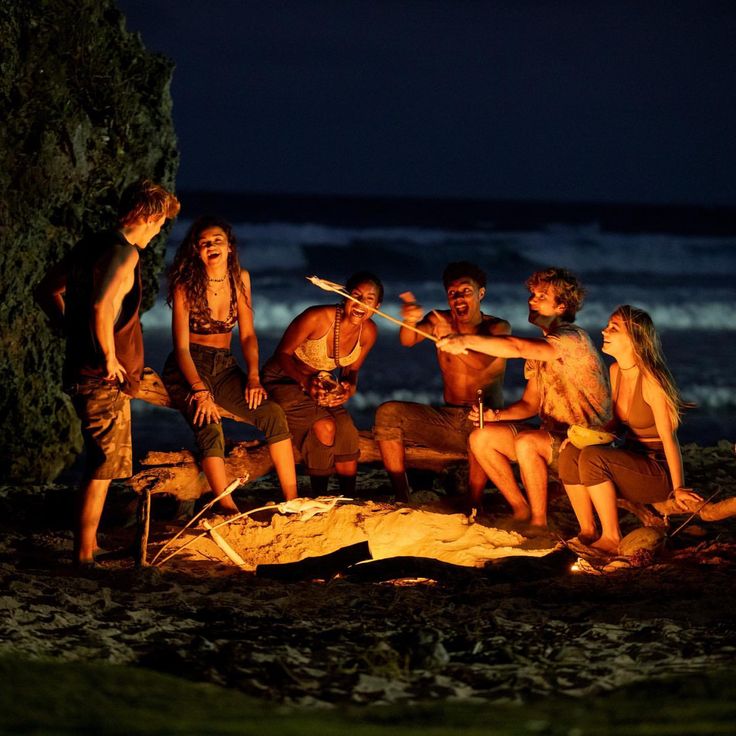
(220, 372)
(302, 412)
(104, 411)
(639, 474)
(437, 427)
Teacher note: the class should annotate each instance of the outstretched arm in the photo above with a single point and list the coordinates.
(501, 346)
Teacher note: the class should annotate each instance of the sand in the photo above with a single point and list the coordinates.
(322, 643)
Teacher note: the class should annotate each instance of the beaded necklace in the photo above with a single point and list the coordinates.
(336, 335)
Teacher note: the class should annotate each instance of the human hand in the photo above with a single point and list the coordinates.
(411, 311)
(206, 411)
(254, 393)
(337, 396)
(686, 499)
(489, 415)
(442, 325)
(114, 371)
(453, 344)
(314, 389)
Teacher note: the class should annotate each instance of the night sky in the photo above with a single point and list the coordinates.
(565, 101)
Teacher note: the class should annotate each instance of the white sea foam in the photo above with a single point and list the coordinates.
(273, 313)
(585, 248)
(685, 283)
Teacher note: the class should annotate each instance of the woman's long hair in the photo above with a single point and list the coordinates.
(649, 355)
(188, 270)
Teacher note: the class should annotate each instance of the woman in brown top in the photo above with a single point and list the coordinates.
(210, 295)
(646, 408)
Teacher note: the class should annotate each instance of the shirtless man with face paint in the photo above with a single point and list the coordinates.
(444, 427)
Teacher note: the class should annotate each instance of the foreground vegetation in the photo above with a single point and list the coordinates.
(51, 697)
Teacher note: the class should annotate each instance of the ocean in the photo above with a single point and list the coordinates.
(685, 280)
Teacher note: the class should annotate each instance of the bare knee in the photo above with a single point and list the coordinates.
(529, 446)
(324, 431)
(483, 441)
(389, 414)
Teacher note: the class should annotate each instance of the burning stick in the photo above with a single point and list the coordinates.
(339, 289)
(235, 484)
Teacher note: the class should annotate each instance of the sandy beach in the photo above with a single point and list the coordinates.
(324, 643)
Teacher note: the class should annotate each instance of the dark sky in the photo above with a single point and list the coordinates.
(624, 100)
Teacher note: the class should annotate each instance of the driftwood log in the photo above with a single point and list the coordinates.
(177, 473)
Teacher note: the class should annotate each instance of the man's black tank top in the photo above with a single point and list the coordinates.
(85, 265)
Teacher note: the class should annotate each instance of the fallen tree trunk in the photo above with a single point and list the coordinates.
(177, 473)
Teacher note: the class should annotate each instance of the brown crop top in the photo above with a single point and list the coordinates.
(201, 321)
(640, 422)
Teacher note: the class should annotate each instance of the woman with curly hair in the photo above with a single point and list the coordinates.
(322, 339)
(210, 294)
(647, 407)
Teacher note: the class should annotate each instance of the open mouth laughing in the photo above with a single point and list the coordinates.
(359, 312)
(461, 309)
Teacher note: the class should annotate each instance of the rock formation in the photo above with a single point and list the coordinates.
(86, 110)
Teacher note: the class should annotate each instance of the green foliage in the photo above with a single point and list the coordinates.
(48, 697)
(86, 110)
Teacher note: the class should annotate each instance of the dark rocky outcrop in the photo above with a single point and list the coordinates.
(85, 110)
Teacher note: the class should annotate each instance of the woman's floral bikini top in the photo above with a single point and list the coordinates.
(201, 321)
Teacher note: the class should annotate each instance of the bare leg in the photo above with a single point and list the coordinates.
(394, 460)
(318, 484)
(324, 430)
(603, 496)
(92, 494)
(583, 508)
(214, 471)
(534, 452)
(346, 474)
(493, 448)
(477, 480)
(282, 454)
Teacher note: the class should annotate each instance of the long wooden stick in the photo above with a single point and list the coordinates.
(339, 289)
(283, 507)
(224, 546)
(235, 484)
